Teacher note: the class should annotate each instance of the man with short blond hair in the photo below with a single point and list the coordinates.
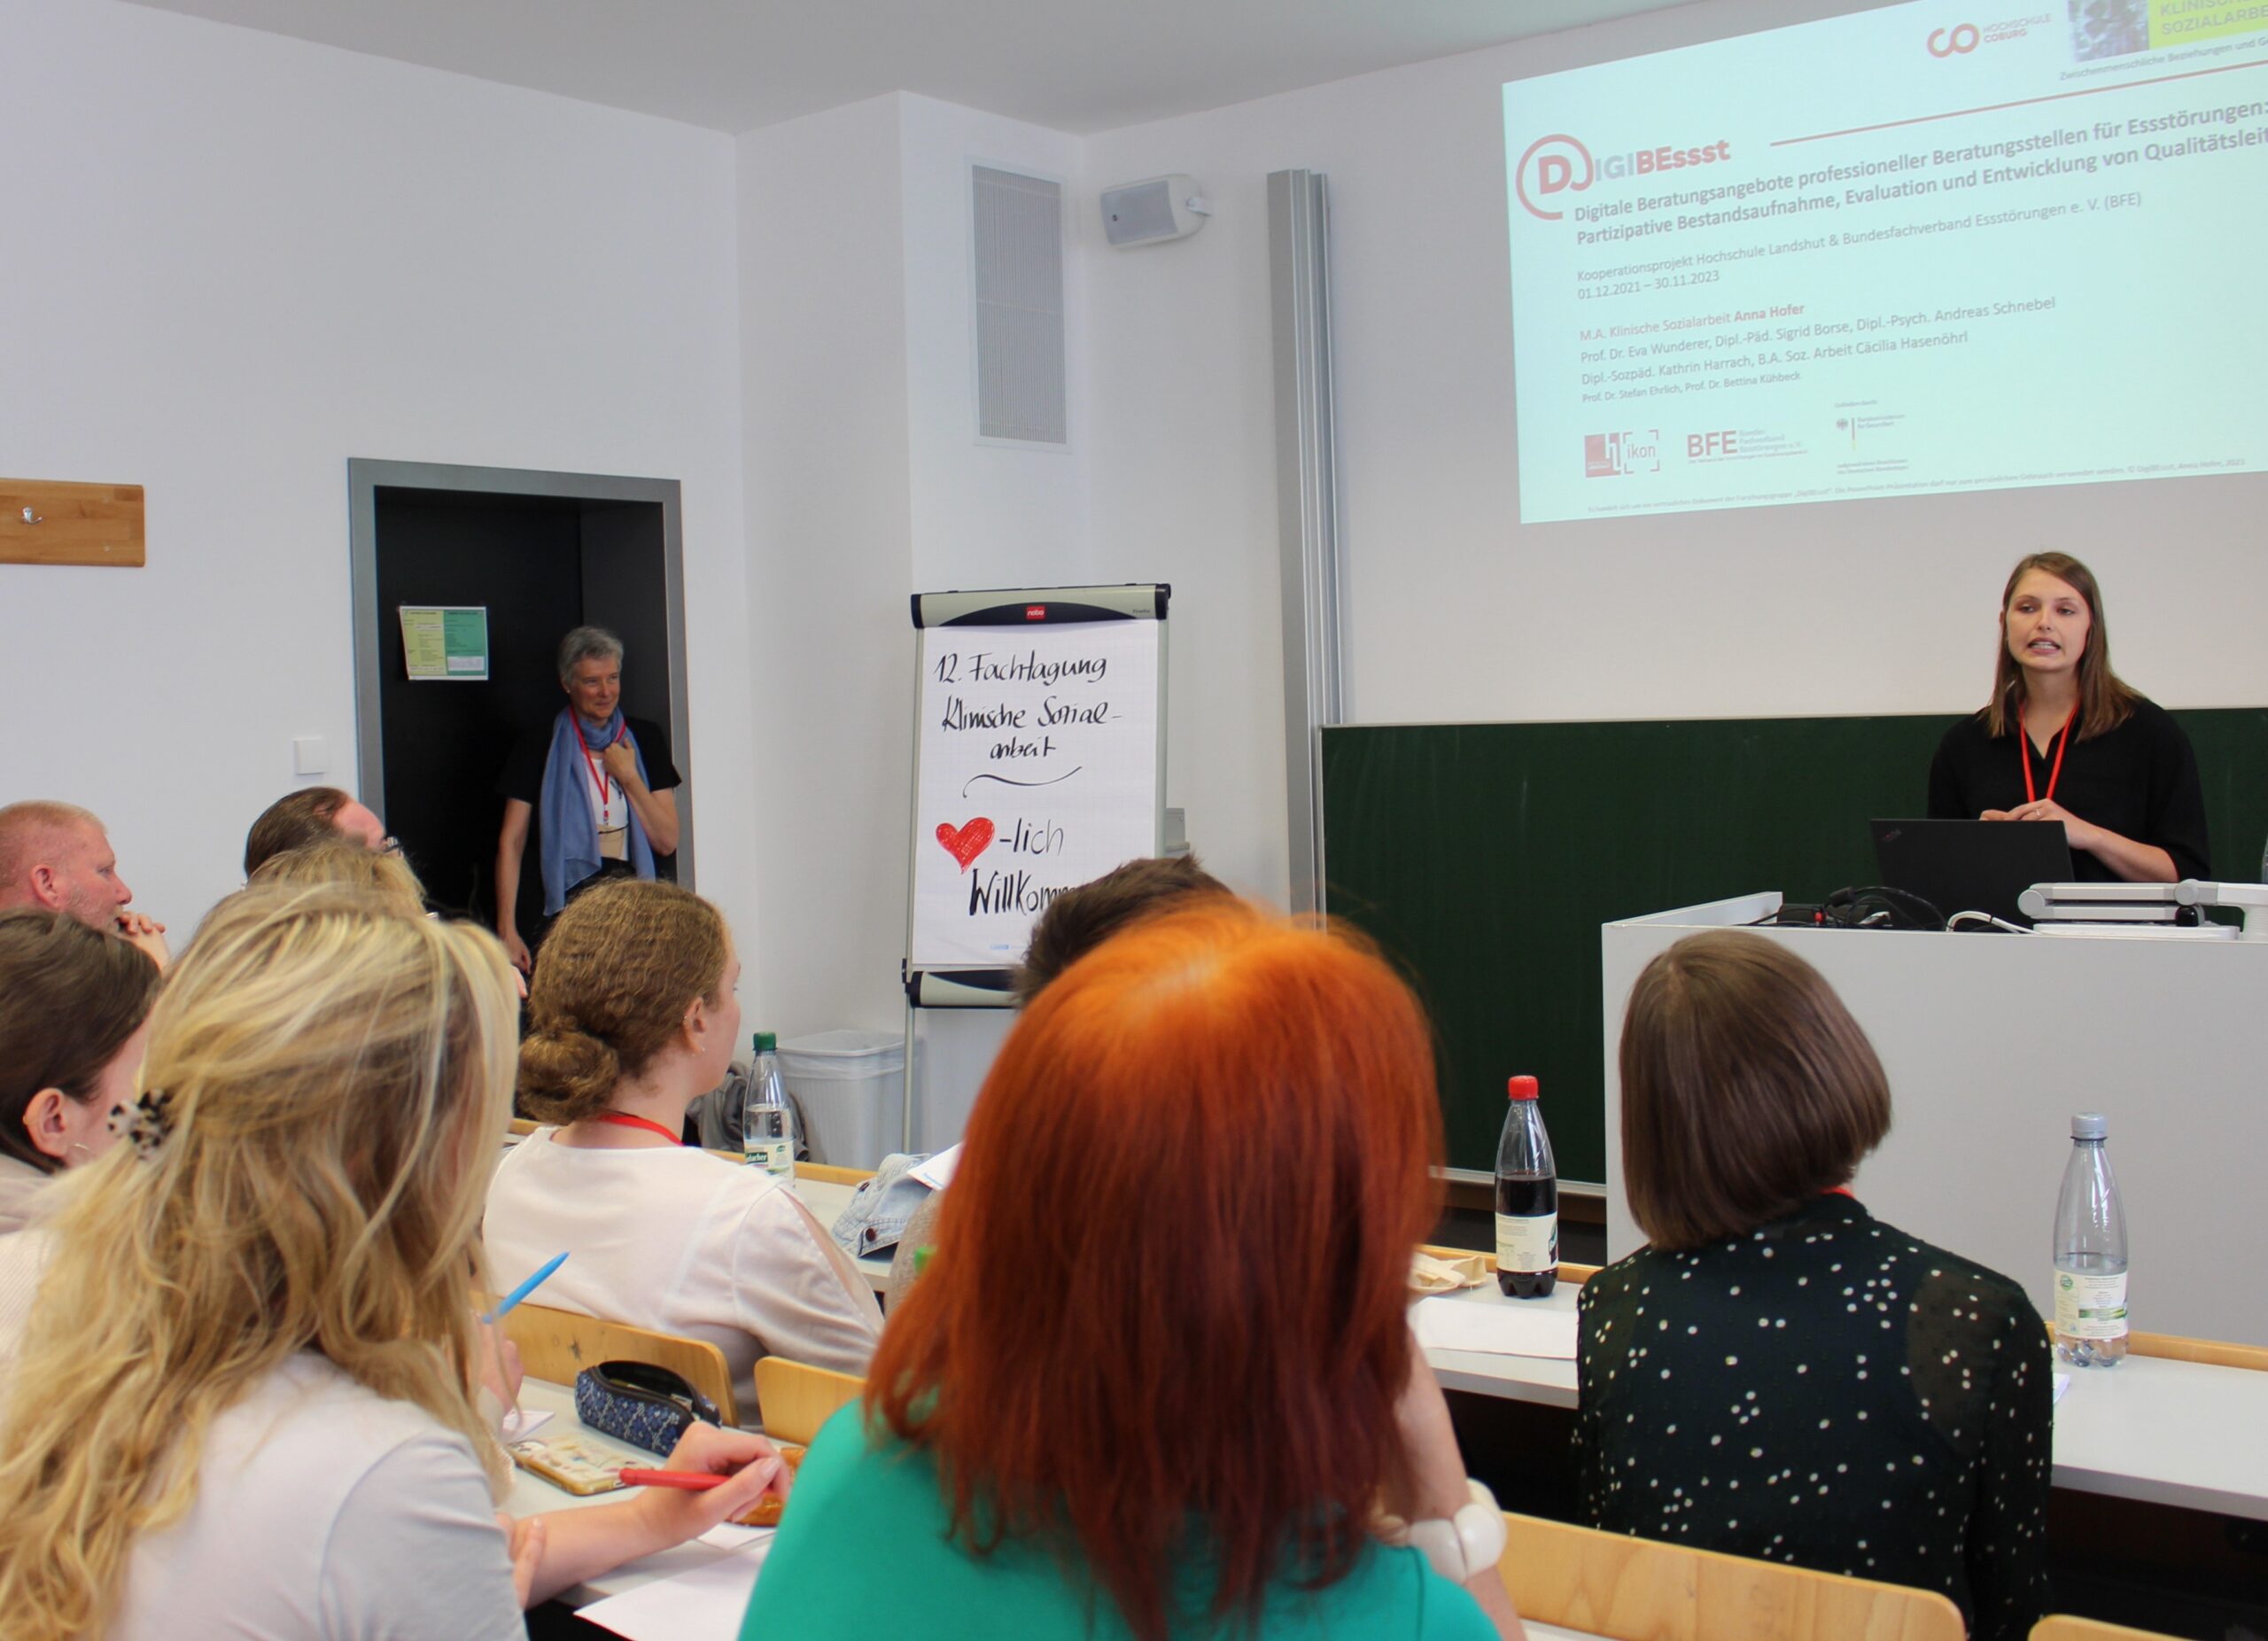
(57, 857)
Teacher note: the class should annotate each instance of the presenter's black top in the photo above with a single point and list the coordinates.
(2139, 779)
(1829, 1392)
(522, 778)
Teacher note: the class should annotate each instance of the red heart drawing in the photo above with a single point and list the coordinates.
(968, 842)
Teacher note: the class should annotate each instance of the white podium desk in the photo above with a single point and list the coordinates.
(1991, 1041)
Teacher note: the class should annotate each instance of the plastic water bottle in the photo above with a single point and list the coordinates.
(2090, 1254)
(767, 1122)
(1527, 1199)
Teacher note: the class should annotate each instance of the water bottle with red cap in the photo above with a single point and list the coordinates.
(1527, 1199)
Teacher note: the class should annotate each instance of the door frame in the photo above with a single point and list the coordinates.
(365, 477)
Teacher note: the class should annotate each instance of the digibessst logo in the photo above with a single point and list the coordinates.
(1559, 164)
(1552, 171)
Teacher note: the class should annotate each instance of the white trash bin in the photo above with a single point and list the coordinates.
(851, 1086)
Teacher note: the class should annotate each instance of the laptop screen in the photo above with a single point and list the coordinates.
(1972, 866)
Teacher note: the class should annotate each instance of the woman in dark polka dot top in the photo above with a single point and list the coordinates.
(1779, 1374)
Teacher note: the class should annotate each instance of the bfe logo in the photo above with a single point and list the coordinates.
(1608, 455)
(1963, 38)
(1552, 164)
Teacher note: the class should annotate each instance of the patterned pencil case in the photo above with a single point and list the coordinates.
(646, 1406)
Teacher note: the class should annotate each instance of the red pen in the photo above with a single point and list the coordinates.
(690, 1480)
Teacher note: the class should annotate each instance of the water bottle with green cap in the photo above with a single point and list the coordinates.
(767, 1122)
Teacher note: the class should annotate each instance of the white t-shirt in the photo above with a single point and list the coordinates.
(672, 1239)
(323, 1510)
(22, 1188)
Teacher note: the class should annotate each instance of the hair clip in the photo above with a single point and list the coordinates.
(146, 1122)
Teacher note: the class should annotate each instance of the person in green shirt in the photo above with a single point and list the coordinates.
(1158, 1382)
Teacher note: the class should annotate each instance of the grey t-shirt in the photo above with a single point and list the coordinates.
(323, 1510)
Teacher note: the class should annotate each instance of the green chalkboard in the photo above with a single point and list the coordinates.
(1484, 856)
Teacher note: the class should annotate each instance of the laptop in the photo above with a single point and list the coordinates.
(1972, 866)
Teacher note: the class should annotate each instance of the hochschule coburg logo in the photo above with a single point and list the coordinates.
(1559, 164)
(1962, 38)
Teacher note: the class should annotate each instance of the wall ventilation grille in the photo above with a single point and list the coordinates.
(1018, 223)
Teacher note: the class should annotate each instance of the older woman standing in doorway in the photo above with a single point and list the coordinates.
(594, 788)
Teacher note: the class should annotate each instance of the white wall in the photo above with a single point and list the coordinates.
(1456, 611)
(235, 261)
(865, 485)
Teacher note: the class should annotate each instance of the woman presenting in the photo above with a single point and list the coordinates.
(597, 789)
(2063, 739)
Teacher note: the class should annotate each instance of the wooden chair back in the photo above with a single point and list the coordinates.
(558, 1345)
(829, 1174)
(796, 1400)
(2063, 1627)
(1639, 1589)
(2214, 1352)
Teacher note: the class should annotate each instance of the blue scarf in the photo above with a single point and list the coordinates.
(570, 836)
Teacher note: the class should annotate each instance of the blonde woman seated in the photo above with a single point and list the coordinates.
(631, 1016)
(1159, 1382)
(335, 861)
(240, 1406)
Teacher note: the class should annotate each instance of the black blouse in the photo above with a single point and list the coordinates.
(1825, 1390)
(2140, 779)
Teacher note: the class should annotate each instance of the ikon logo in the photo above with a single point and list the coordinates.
(1963, 38)
(1610, 455)
(1552, 164)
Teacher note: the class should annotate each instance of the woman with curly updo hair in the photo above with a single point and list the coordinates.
(631, 1016)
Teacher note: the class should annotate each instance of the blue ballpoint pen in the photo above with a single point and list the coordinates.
(526, 1287)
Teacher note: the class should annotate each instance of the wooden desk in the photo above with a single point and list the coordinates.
(1516, 1378)
(531, 1495)
(2162, 1432)
(2167, 1433)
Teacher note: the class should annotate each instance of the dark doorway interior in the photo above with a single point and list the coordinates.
(540, 564)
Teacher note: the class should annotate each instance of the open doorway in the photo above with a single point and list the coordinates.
(539, 553)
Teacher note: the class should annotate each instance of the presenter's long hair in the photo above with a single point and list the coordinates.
(330, 1079)
(1165, 1325)
(2105, 702)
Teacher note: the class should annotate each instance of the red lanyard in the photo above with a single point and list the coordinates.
(624, 1119)
(2023, 751)
(599, 778)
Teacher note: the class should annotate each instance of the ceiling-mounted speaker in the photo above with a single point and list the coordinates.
(1163, 207)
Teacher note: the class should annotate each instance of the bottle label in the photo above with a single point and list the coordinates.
(773, 1156)
(2090, 1307)
(1527, 1242)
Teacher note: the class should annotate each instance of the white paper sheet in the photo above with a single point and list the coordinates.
(706, 1604)
(2063, 1383)
(937, 1173)
(1451, 1324)
(519, 1423)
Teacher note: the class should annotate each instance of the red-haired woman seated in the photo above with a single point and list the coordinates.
(1159, 1382)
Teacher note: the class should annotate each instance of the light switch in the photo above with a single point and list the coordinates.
(310, 755)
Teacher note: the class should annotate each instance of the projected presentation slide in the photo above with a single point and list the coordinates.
(1922, 249)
